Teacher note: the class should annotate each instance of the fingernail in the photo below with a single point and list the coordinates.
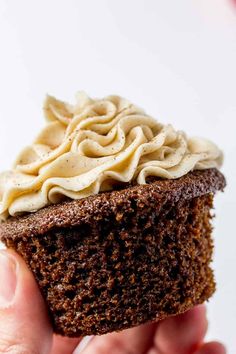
(83, 344)
(8, 279)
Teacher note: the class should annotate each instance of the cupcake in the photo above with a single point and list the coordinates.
(111, 210)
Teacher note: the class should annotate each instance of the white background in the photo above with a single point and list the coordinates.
(175, 58)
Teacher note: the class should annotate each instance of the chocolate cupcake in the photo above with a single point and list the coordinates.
(111, 211)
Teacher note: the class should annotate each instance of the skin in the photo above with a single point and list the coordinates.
(25, 327)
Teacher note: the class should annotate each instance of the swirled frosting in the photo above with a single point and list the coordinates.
(88, 147)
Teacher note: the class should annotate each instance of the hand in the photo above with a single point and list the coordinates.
(25, 327)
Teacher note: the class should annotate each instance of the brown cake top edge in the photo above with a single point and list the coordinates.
(74, 212)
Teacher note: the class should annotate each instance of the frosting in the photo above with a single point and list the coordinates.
(88, 147)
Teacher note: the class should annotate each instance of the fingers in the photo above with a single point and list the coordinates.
(212, 348)
(182, 334)
(208, 348)
(64, 345)
(24, 324)
(132, 341)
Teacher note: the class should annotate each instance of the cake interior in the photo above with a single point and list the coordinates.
(124, 270)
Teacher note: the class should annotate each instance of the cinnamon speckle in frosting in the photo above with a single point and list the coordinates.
(85, 146)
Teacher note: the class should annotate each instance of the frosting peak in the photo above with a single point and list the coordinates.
(90, 146)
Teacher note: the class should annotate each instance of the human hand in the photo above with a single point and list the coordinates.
(25, 327)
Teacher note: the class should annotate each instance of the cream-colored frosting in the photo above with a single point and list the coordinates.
(88, 147)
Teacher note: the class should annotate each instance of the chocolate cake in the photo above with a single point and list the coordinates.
(124, 257)
(111, 210)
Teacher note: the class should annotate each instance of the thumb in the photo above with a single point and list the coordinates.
(24, 324)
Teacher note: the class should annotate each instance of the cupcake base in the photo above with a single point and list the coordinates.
(121, 258)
